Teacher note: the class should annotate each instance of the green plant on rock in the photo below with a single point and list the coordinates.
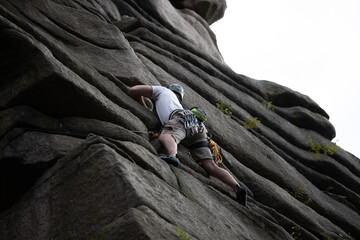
(318, 149)
(251, 123)
(268, 105)
(329, 191)
(326, 237)
(299, 194)
(296, 234)
(182, 234)
(227, 110)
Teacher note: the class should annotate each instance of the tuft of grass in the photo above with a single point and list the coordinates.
(318, 149)
(268, 105)
(182, 234)
(339, 237)
(325, 237)
(329, 191)
(299, 194)
(296, 234)
(251, 123)
(227, 110)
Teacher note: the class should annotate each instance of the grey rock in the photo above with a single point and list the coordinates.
(210, 10)
(77, 160)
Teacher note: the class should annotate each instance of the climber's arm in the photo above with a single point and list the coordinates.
(139, 91)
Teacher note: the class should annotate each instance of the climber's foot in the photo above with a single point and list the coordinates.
(241, 196)
(171, 160)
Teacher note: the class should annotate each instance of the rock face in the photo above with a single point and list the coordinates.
(72, 167)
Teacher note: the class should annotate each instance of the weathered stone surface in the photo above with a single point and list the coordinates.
(76, 161)
(210, 10)
(36, 147)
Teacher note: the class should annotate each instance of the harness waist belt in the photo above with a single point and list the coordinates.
(200, 144)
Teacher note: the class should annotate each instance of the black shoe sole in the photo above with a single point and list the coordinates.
(170, 160)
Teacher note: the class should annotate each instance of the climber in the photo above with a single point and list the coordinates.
(177, 126)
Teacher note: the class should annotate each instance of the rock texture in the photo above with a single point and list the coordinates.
(72, 167)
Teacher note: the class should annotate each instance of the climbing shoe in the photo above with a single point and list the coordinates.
(241, 196)
(171, 160)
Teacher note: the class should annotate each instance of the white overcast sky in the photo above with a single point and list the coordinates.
(310, 46)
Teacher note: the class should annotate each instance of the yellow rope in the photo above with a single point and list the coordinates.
(215, 150)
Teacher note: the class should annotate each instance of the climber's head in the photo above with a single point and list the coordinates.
(178, 90)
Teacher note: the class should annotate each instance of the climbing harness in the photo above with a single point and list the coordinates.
(191, 123)
(192, 119)
(213, 147)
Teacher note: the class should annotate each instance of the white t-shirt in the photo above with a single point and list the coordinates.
(166, 102)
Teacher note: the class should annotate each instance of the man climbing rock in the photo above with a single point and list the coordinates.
(180, 125)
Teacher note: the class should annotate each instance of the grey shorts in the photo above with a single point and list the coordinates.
(177, 130)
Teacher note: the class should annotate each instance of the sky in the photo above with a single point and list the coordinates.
(310, 46)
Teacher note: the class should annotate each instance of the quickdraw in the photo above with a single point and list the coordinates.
(191, 123)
